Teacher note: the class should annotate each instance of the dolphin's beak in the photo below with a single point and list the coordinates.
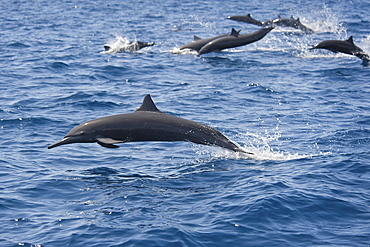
(66, 140)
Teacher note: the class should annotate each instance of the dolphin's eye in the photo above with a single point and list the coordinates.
(80, 133)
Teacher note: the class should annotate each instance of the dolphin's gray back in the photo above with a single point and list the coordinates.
(197, 44)
(246, 18)
(234, 41)
(344, 46)
(155, 126)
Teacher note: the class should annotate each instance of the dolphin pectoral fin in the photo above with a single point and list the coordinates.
(108, 142)
(107, 145)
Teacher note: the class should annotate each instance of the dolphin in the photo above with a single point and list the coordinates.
(344, 46)
(290, 22)
(147, 123)
(245, 18)
(198, 43)
(234, 41)
(129, 47)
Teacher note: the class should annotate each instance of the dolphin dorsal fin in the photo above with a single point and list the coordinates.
(148, 105)
(196, 38)
(234, 32)
(350, 39)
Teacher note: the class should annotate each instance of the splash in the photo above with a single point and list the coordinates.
(324, 20)
(270, 154)
(259, 146)
(176, 50)
(364, 44)
(117, 44)
(259, 153)
(123, 44)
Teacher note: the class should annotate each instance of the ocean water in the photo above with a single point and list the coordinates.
(305, 114)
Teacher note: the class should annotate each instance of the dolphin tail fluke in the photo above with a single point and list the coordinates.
(239, 149)
(243, 151)
(314, 47)
(364, 57)
(236, 148)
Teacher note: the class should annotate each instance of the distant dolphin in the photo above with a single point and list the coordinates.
(245, 18)
(346, 46)
(128, 47)
(234, 41)
(198, 43)
(291, 22)
(145, 124)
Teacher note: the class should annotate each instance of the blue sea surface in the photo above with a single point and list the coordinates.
(304, 113)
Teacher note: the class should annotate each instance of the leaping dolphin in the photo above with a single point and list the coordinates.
(198, 43)
(127, 47)
(147, 123)
(344, 46)
(291, 22)
(235, 40)
(245, 18)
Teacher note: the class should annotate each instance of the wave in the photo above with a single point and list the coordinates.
(18, 45)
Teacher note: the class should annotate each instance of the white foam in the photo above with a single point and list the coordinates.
(258, 154)
(116, 44)
(260, 148)
(121, 44)
(176, 50)
(364, 44)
